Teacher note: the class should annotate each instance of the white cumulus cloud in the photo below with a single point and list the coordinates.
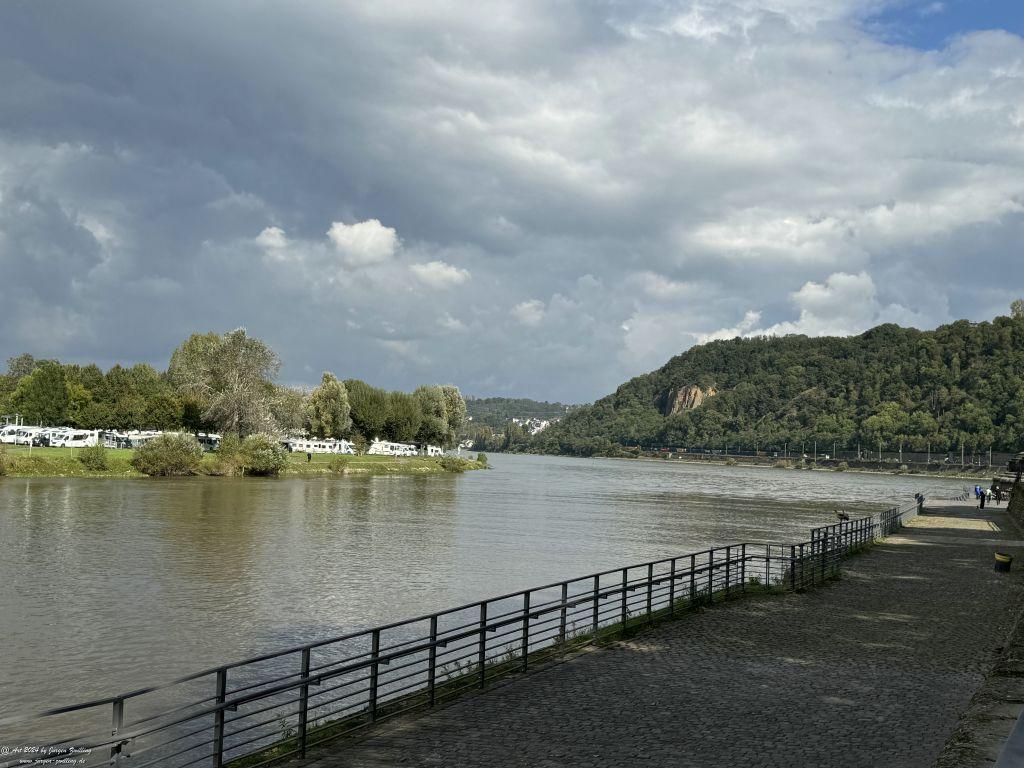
(439, 274)
(363, 243)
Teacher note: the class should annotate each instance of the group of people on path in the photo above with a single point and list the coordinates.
(984, 495)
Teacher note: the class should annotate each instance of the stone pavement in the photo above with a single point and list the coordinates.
(871, 670)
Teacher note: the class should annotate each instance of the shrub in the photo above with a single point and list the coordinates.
(339, 464)
(842, 466)
(481, 459)
(94, 457)
(3, 460)
(453, 464)
(781, 464)
(730, 462)
(169, 455)
(263, 455)
(230, 460)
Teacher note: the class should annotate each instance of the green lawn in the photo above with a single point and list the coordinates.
(61, 462)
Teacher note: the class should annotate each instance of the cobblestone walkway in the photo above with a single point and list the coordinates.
(872, 670)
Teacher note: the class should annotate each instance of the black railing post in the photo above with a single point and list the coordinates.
(561, 616)
(374, 672)
(803, 575)
(728, 569)
(693, 579)
(743, 568)
(218, 719)
(304, 700)
(481, 652)
(526, 628)
(792, 568)
(650, 592)
(116, 723)
(625, 608)
(432, 663)
(711, 576)
(672, 589)
(597, 604)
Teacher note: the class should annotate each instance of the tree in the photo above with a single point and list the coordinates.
(288, 407)
(231, 377)
(434, 425)
(1017, 309)
(455, 413)
(404, 417)
(42, 396)
(327, 410)
(369, 408)
(21, 366)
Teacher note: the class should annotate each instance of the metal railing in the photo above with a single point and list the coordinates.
(280, 704)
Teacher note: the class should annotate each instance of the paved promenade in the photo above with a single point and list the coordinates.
(869, 671)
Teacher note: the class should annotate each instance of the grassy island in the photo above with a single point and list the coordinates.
(64, 462)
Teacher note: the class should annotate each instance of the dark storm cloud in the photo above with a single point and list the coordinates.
(516, 197)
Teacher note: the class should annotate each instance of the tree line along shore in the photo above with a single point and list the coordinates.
(225, 384)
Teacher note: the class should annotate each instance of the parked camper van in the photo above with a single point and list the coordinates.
(76, 439)
(432, 450)
(8, 433)
(384, 448)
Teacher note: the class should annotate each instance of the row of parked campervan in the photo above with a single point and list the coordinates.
(53, 437)
(69, 437)
(377, 447)
(313, 445)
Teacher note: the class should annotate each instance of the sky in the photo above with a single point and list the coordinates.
(522, 198)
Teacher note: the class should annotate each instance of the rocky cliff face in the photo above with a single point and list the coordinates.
(685, 399)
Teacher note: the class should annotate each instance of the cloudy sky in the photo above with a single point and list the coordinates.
(522, 198)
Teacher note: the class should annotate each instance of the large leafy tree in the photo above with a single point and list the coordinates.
(404, 417)
(369, 408)
(327, 410)
(230, 377)
(42, 396)
(434, 425)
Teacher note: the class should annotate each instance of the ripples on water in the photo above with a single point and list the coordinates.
(109, 585)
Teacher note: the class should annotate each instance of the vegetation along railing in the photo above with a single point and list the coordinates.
(281, 704)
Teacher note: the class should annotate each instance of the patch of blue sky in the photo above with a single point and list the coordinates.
(931, 24)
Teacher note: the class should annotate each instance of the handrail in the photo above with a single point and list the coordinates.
(690, 579)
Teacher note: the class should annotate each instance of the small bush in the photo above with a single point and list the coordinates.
(730, 462)
(94, 458)
(263, 455)
(781, 464)
(453, 464)
(481, 459)
(230, 460)
(339, 464)
(842, 466)
(169, 455)
(3, 460)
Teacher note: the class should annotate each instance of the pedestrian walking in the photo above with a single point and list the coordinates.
(981, 502)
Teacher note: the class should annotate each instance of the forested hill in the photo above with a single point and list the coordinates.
(960, 382)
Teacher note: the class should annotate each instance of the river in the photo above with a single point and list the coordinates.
(110, 585)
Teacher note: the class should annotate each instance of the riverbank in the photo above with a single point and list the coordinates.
(974, 474)
(64, 462)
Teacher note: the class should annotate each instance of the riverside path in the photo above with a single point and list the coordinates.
(870, 670)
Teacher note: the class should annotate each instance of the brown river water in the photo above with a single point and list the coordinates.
(109, 585)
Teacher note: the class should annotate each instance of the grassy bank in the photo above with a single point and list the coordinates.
(63, 462)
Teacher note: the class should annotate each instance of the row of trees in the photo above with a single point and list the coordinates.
(225, 383)
(961, 384)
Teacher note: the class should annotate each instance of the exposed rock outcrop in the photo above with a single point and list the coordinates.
(685, 399)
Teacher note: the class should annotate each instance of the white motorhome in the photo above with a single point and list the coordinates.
(8, 434)
(25, 435)
(384, 448)
(432, 450)
(314, 445)
(76, 439)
